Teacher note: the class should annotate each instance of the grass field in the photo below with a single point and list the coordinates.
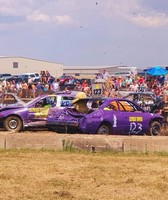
(43, 175)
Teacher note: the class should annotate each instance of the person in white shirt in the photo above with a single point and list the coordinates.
(55, 85)
(106, 77)
(128, 81)
(134, 86)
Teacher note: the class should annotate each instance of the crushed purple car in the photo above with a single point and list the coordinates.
(112, 116)
(34, 113)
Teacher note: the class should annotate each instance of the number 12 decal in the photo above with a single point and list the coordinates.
(135, 127)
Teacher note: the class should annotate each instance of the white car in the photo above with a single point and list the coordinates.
(29, 76)
(37, 76)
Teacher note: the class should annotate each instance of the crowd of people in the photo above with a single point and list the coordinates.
(111, 85)
(155, 84)
(30, 89)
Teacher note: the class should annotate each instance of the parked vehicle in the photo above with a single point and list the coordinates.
(113, 116)
(31, 114)
(10, 99)
(27, 76)
(149, 102)
(158, 105)
(37, 77)
(123, 74)
(51, 79)
(15, 79)
(145, 99)
(5, 75)
(64, 79)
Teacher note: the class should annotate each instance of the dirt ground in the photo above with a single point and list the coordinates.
(70, 175)
(164, 131)
(50, 175)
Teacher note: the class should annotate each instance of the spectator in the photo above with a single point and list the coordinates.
(84, 84)
(105, 75)
(134, 86)
(98, 75)
(23, 92)
(78, 86)
(106, 93)
(47, 86)
(47, 76)
(3, 90)
(66, 91)
(143, 87)
(39, 86)
(42, 76)
(128, 81)
(156, 90)
(119, 83)
(31, 90)
(55, 86)
(87, 90)
(30, 80)
(165, 92)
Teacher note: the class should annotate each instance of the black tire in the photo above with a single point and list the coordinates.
(155, 128)
(13, 124)
(104, 129)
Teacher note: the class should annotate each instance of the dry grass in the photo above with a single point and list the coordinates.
(56, 175)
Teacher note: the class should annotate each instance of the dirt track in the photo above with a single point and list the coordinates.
(45, 131)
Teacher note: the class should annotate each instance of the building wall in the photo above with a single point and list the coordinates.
(91, 71)
(18, 65)
(82, 71)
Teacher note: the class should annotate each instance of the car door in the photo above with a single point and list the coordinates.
(39, 111)
(133, 119)
(113, 114)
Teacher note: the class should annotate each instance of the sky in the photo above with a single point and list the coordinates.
(86, 32)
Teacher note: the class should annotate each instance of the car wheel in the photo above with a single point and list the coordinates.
(104, 129)
(155, 128)
(13, 123)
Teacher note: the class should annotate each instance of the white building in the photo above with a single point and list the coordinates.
(18, 65)
(91, 71)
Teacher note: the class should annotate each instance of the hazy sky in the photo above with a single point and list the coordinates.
(86, 32)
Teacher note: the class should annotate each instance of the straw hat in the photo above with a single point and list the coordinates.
(79, 95)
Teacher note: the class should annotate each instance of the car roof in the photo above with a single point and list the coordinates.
(27, 74)
(140, 93)
(146, 93)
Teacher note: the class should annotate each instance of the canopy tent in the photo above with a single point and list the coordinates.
(157, 71)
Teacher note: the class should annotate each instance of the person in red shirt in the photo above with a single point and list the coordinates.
(140, 80)
(84, 84)
(156, 90)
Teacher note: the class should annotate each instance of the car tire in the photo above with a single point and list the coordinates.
(13, 124)
(104, 129)
(155, 128)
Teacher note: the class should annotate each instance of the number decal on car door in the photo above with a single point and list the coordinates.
(135, 128)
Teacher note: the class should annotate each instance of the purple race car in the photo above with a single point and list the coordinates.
(32, 114)
(112, 116)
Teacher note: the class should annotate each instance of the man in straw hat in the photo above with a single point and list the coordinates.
(80, 105)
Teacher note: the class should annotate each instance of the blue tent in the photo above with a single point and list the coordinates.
(157, 71)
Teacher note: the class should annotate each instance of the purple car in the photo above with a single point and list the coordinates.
(111, 116)
(16, 118)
